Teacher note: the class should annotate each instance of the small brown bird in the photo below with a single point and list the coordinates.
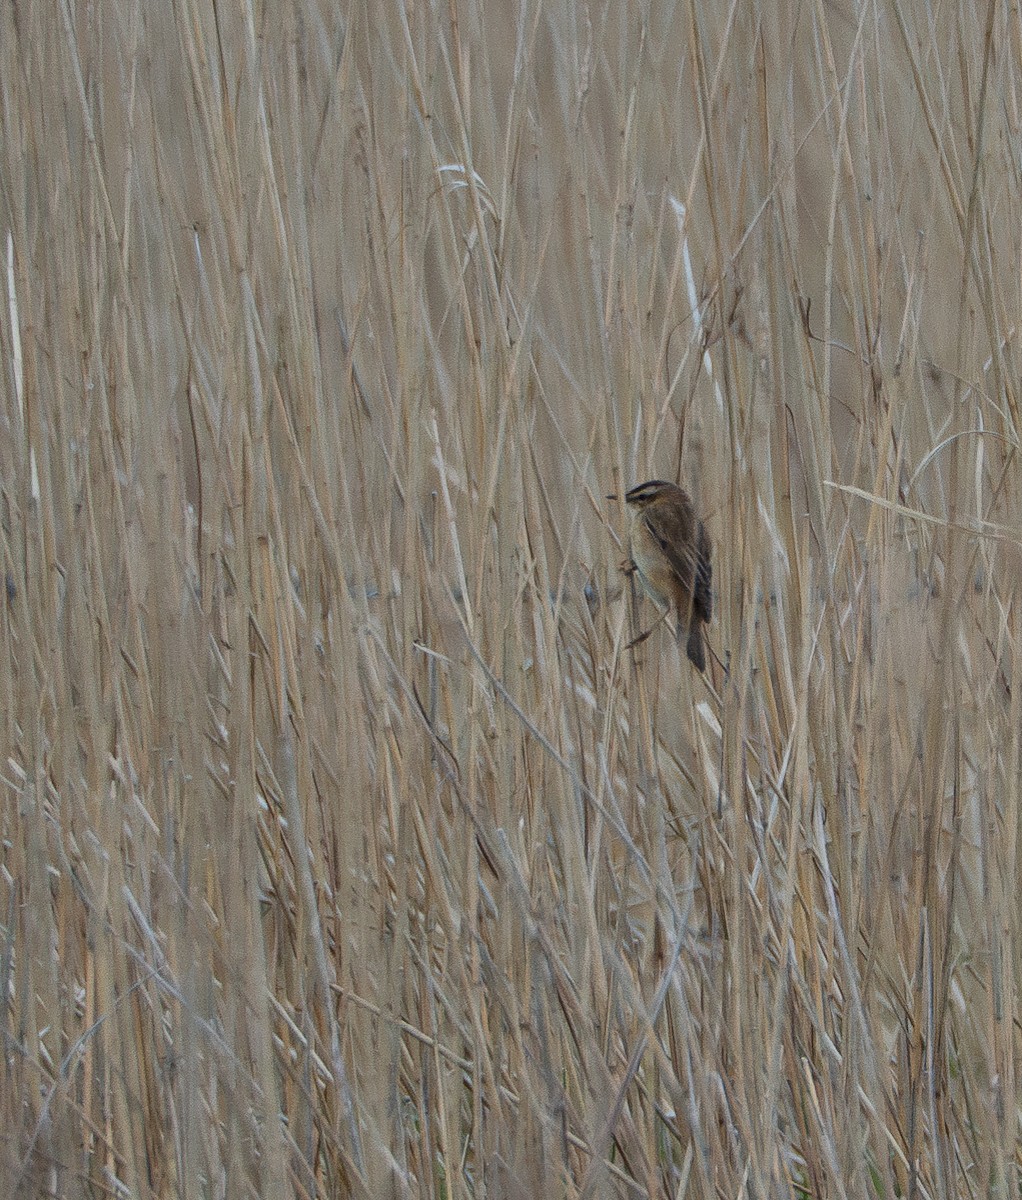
(670, 550)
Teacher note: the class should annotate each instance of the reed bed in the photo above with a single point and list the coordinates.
(347, 849)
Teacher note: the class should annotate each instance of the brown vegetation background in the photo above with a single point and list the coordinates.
(346, 849)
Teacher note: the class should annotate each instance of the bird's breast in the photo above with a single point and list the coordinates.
(654, 572)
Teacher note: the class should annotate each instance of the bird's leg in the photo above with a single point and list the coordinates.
(629, 568)
(637, 641)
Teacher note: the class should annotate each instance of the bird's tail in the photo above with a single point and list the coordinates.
(695, 647)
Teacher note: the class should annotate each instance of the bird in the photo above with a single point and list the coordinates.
(671, 553)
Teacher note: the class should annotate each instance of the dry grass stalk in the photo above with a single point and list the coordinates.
(345, 849)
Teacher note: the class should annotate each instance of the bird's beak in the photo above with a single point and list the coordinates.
(612, 496)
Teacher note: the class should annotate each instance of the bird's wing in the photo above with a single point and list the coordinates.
(689, 558)
(675, 548)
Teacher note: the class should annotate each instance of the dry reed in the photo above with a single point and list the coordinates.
(345, 849)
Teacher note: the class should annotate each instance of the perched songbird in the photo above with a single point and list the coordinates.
(670, 550)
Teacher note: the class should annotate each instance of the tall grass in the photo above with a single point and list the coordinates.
(346, 849)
